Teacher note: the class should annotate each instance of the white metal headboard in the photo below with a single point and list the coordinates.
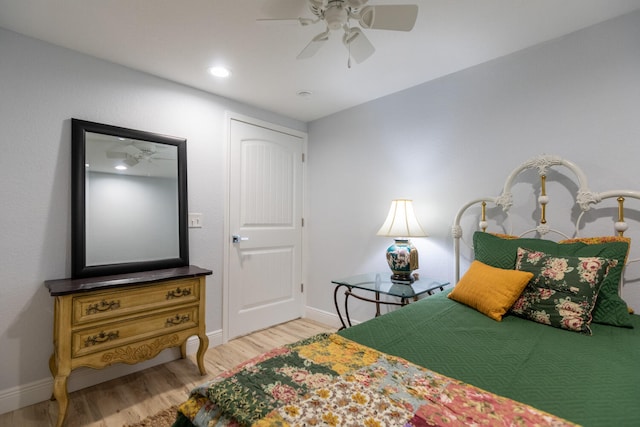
(584, 199)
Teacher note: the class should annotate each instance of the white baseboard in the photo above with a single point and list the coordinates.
(39, 391)
(325, 317)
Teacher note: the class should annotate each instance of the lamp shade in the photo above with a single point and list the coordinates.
(401, 221)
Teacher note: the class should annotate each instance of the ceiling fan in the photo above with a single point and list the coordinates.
(137, 151)
(337, 15)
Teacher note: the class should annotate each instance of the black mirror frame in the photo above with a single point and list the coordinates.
(79, 269)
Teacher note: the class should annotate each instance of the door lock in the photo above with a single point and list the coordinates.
(236, 238)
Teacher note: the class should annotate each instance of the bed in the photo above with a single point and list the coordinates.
(534, 333)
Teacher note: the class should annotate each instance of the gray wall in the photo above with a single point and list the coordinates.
(458, 138)
(41, 88)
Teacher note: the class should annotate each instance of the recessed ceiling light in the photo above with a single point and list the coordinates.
(305, 94)
(121, 167)
(219, 71)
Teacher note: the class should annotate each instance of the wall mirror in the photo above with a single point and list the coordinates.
(129, 200)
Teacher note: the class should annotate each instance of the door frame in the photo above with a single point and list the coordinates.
(229, 116)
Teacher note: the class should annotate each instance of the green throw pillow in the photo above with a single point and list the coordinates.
(610, 309)
(563, 290)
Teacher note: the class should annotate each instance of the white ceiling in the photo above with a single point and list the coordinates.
(180, 39)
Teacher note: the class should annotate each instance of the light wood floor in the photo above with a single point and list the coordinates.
(129, 399)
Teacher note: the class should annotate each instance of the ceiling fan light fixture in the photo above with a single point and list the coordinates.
(335, 16)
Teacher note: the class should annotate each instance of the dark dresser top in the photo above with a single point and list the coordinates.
(71, 286)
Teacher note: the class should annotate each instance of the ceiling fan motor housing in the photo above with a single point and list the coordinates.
(336, 15)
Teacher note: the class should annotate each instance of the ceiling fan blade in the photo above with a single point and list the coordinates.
(314, 46)
(126, 158)
(401, 17)
(300, 21)
(284, 20)
(359, 46)
(283, 7)
(117, 155)
(131, 161)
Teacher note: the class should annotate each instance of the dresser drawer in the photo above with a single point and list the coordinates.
(121, 333)
(108, 304)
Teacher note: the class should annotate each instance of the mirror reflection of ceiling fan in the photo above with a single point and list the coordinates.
(338, 14)
(138, 151)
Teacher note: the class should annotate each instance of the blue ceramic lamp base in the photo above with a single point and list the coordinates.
(402, 258)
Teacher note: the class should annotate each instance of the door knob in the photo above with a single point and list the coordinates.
(236, 238)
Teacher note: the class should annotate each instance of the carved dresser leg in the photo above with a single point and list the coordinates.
(60, 394)
(53, 369)
(202, 349)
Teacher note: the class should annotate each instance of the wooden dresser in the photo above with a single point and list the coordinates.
(126, 318)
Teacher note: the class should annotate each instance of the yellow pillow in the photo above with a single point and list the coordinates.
(490, 290)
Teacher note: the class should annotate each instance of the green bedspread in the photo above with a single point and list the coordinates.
(590, 380)
(329, 380)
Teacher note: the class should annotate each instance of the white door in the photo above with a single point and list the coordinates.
(264, 285)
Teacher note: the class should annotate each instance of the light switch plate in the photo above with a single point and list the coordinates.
(195, 220)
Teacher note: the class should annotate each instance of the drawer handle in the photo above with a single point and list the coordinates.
(177, 293)
(102, 337)
(177, 320)
(103, 306)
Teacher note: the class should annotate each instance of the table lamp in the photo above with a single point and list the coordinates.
(401, 224)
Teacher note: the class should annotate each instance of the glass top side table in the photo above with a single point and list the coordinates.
(380, 284)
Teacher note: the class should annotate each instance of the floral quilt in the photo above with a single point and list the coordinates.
(328, 380)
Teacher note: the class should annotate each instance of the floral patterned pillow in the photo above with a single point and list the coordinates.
(563, 290)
